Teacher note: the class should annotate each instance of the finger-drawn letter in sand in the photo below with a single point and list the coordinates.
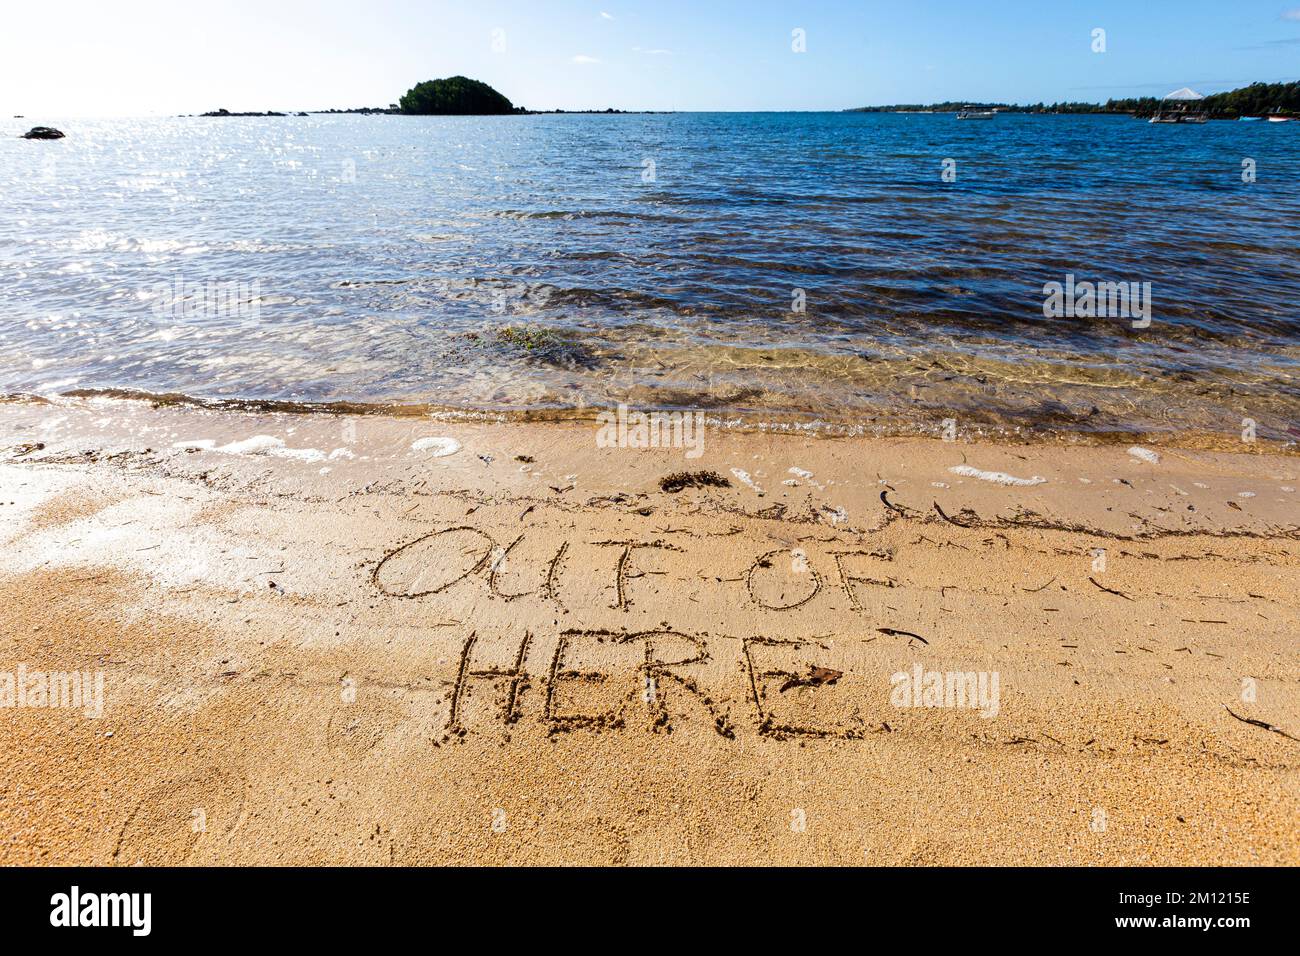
(504, 567)
(513, 679)
(433, 563)
(778, 582)
(793, 698)
(646, 673)
(623, 572)
(869, 564)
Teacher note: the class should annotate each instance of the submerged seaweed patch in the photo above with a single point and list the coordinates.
(546, 345)
(528, 337)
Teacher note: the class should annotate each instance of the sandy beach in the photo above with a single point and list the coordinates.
(378, 640)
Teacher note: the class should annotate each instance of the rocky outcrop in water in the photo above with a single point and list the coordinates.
(228, 113)
(43, 132)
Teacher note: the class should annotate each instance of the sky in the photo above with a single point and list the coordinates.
(149, 57)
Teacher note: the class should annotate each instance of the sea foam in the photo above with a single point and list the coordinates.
(997, 477)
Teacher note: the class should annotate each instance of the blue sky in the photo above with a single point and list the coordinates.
(141, 57)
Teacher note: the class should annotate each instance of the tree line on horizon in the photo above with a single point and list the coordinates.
(1258, 99)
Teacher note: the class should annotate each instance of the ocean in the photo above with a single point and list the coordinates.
(845, 273)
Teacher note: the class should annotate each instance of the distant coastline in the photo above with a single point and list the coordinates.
(394, 111)
(1258, 99)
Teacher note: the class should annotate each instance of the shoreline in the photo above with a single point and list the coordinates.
(405, 640)
(968, 430)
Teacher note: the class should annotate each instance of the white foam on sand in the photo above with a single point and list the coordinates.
(746, 479)
(160, 536)
(257, 445)
(298, 454)
(24, 491)
(807, 476)
(269, 445)
(440, 447)
(997, 477)
(1144, 454)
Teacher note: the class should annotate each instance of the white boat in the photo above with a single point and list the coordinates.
(1279, 119)
(975, 113)
(1177, 108)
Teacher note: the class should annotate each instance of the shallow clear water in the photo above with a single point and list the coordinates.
(656, 260)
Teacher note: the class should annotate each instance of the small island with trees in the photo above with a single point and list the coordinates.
(455, 96)
(461, 96)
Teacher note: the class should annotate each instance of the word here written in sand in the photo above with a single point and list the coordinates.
(601, 680)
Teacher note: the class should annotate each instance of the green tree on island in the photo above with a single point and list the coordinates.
(454, 96)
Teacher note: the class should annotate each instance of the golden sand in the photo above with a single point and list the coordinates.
(337, 647)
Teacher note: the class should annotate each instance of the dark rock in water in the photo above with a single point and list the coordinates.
(42, 132)
(228, 113)
(366, 110)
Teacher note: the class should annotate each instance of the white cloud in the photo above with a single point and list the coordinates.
(606, 16)
(584, 60)
(1291, 14)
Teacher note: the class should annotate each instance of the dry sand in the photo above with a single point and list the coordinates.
(343, 649)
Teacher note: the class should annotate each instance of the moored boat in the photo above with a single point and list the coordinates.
(1177, 108)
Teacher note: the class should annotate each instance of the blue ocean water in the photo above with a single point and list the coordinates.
(771, 267)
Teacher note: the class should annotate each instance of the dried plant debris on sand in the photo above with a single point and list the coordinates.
(682, 480)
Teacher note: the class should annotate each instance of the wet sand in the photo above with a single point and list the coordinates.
(336, 640)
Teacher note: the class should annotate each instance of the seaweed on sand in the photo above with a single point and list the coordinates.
(692, 479)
